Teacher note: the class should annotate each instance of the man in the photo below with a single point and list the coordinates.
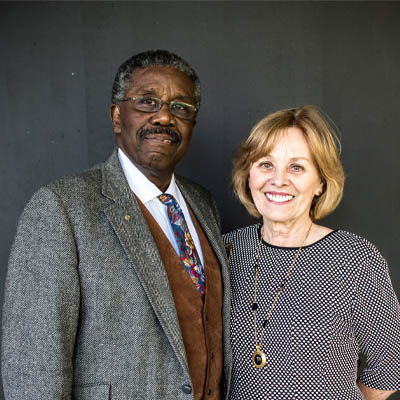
(103, 301)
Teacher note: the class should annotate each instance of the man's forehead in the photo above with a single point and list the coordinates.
(158, 76)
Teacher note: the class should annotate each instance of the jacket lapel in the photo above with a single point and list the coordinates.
(129, 225)
(205, 217)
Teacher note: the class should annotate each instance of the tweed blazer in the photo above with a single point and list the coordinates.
(88, 311)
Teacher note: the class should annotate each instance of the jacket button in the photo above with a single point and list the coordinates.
(209, 392)
(187, 389)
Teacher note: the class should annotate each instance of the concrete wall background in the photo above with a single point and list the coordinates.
(58, 60)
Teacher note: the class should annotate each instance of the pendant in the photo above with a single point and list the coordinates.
(258, 358)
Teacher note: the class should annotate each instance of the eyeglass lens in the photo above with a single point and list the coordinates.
(153, 104)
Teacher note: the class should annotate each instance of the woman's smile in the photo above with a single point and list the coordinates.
(280, 198)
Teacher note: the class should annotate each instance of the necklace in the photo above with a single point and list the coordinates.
(258, 357)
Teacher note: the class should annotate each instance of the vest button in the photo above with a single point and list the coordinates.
(209, 391)
(187, 389)
(212, 356)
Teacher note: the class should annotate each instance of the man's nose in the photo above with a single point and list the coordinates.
(163, 117)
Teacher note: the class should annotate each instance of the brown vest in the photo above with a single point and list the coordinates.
(200, 322)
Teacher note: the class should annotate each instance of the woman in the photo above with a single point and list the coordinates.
(306, 299)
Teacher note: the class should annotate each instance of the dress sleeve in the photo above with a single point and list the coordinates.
(41, 305)
(377, 323)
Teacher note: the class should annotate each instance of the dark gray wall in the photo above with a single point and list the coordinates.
(58, 61)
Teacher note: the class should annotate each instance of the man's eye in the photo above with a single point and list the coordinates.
(149, 101)
(180, 106)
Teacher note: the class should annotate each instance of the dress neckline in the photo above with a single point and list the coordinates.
(291, 247)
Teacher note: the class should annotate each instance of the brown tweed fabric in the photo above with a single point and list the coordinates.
(201, 323)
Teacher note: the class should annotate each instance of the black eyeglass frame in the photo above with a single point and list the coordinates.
(162, 102)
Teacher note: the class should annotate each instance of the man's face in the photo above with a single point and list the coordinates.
(154, 142)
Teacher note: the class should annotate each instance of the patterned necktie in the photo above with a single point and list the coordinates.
(187, 251)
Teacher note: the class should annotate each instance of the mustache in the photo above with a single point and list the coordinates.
(174, 135)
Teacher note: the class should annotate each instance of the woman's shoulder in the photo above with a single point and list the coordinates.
(353, 247)
(248, 233)
(350, 252)
(354, 240)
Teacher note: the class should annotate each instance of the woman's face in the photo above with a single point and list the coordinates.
(284, 182)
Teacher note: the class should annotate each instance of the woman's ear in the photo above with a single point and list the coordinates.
(320, 189)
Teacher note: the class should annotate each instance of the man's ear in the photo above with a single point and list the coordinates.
(115, 118)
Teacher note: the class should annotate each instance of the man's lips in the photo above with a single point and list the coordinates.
(159, 138)
(279, 197)
(160, 134)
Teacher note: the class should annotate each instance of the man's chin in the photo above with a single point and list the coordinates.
(160, 162)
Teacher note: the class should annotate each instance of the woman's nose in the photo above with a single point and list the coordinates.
(279, 178)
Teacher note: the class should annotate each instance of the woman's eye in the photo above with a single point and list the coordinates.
(296, 167)
(266, 165)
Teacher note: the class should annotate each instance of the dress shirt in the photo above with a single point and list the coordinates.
(148, 194)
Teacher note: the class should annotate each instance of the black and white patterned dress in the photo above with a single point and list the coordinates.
(338, 302)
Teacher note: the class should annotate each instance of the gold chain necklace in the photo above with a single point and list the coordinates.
(259, 358)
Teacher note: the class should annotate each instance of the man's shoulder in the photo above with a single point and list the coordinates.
(192, 188)
(87, 180)
(199, 198)
(74, 191)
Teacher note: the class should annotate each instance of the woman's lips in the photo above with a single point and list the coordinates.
(279, 197)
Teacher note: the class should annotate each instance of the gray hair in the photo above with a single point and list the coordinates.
(147, 59)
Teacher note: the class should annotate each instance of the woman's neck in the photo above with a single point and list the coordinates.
(287, 234)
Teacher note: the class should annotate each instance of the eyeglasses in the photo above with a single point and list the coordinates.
(177, 108)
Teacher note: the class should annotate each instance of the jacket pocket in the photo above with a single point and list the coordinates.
(91, 392)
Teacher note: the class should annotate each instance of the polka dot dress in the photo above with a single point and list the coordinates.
(338, 302)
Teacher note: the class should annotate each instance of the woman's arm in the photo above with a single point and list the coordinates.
(373, 394)
(376, 318)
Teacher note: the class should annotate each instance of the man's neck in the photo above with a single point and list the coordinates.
(161, 180)
(140, 177)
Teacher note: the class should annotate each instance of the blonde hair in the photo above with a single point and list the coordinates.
(324, 146)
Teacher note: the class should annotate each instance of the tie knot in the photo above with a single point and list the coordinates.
(166, 198)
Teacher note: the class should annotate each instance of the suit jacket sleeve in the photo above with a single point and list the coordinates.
(41, 307)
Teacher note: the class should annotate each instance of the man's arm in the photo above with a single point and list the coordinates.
(41, 306)
(373, 394)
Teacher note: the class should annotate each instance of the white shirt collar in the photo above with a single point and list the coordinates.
(143, 188)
